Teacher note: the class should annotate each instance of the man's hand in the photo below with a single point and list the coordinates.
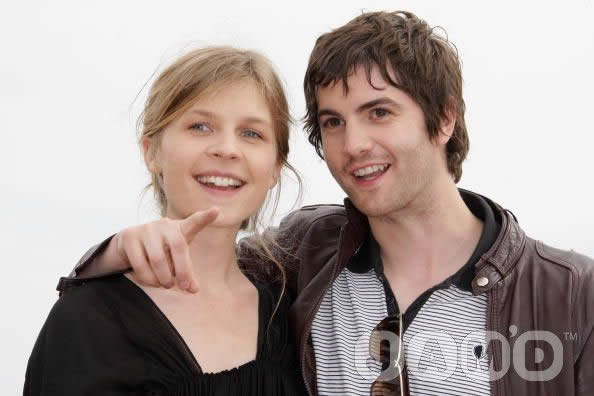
(158, 252)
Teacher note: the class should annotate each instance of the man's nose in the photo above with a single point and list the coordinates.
(356, 140)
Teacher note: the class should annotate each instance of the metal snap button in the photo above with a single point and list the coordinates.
(482, 281)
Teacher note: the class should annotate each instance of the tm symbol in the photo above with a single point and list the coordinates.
(570, 336)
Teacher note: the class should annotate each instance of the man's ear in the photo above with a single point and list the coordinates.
(149, 153)
(447, 124)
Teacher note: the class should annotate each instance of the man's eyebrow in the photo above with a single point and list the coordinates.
(323, 112)
(365, 106)
(380, 101)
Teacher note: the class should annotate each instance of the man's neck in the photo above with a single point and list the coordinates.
(423, 244)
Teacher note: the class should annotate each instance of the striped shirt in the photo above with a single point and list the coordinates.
(444, 336)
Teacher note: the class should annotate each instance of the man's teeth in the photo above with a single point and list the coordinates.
(369, 170)
(220, 181)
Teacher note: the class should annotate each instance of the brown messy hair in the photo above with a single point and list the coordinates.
(199, 74)
(424, 64)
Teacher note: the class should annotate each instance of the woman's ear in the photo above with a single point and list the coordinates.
(149, 153)
(275, 175)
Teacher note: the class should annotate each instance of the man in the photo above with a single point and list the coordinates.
(482, 308)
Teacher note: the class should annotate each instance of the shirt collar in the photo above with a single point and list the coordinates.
(369, 257)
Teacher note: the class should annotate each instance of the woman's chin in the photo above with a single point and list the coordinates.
(226, 218)
(223, 221)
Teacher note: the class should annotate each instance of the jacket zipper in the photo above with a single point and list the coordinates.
(310, 319)
(495, 352)
(492, 325)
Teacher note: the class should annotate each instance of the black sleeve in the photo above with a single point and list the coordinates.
(81, 350)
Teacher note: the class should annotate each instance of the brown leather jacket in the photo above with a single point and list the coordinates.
(531, 287)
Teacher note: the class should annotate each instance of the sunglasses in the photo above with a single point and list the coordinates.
(393, 380)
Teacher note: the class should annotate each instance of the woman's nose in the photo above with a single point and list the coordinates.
(224, 146)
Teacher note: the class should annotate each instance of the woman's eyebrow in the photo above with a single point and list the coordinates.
(255, 120)
(204, 113)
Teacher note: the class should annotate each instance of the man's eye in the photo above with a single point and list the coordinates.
(200, 127)
(379, 112)
(331, 122)
(251, 134)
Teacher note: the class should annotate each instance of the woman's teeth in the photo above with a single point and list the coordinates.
(220, 181)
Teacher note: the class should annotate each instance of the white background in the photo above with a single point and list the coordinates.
(72, 174)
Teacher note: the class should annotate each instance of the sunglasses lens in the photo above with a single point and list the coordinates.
(391, 323)
(381, 388)
(384, 347)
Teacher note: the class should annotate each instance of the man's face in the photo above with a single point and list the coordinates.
(377, 146)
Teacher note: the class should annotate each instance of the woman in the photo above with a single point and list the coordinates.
(214, 133)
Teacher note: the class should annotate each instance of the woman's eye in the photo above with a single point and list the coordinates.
(331, 122)
(200, 127)
(251, 134)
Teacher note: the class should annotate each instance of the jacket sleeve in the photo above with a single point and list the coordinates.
(584, 312)
(585, 369)
(286, 240)
(84, 264)
(282, 241)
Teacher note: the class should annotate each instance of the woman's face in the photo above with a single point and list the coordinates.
(220, 152)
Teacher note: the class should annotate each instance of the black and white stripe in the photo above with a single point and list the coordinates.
(453, 323)
(349, 311)
(439, 361)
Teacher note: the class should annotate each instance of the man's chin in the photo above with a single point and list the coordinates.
(370, 207)
(378, 206)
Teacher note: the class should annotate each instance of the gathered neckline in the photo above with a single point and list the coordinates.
(172, 329)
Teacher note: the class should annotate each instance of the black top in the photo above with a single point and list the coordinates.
(107, 337)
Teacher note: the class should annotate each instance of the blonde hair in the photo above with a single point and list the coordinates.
(198, 74)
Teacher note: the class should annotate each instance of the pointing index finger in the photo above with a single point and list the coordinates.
(193, 224)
